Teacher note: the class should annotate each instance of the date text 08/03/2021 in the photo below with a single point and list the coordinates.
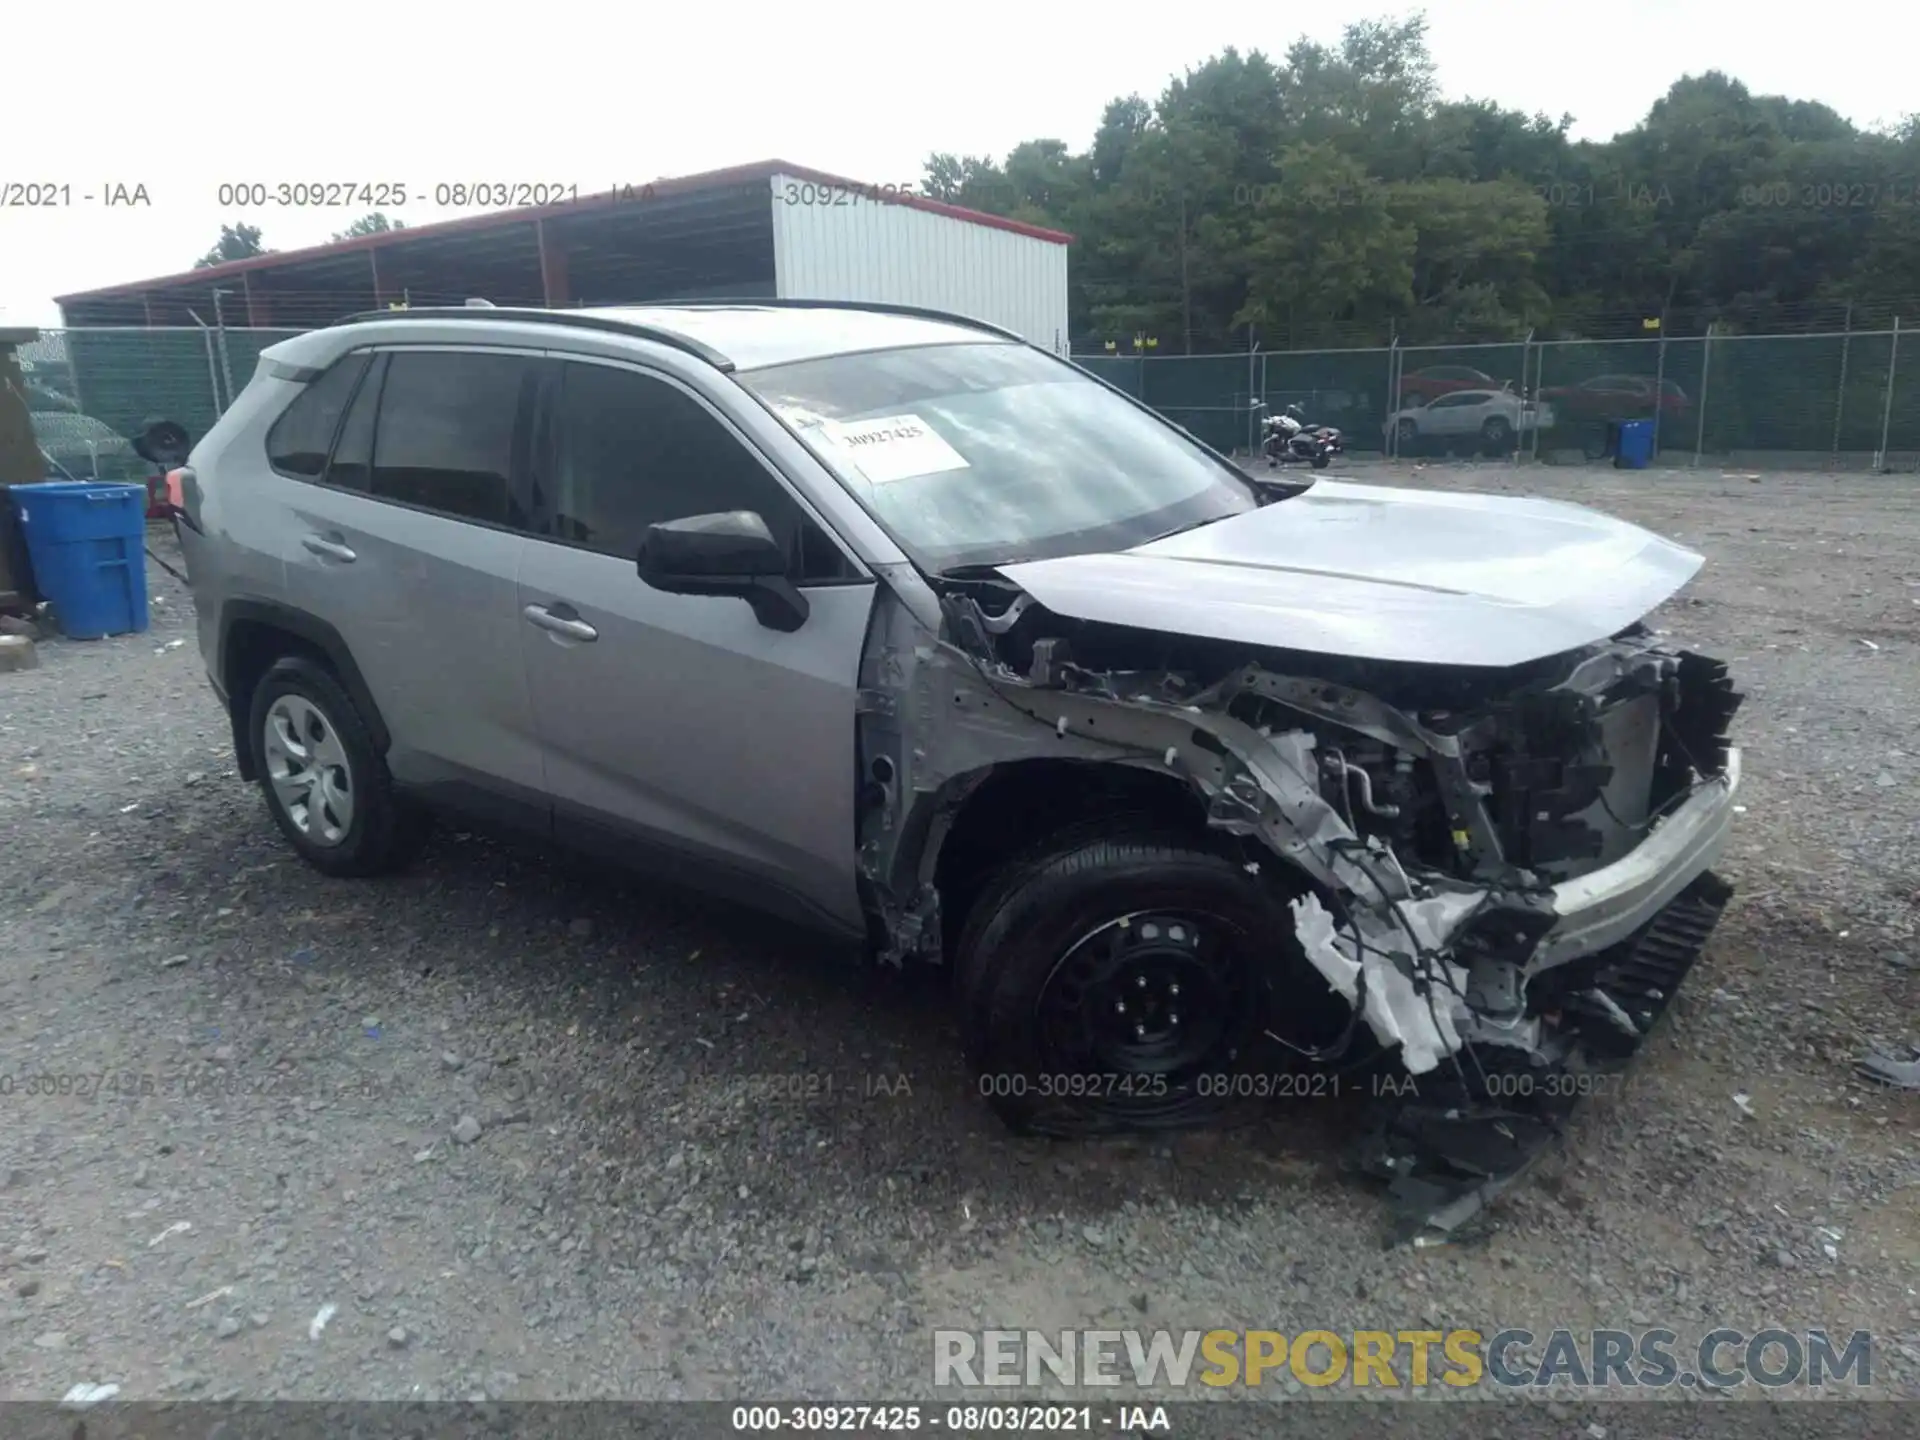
(324, 194)
(960, 1419)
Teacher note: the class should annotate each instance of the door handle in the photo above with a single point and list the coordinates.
(327, 549)
(571, 626)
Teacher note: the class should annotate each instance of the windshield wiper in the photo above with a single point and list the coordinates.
(1179, 530)
(1275, 487)
(987, 570)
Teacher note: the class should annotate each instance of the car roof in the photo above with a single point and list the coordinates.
(741, 334)
(756, 335)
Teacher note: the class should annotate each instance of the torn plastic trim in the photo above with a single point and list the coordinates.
(1395, 1006)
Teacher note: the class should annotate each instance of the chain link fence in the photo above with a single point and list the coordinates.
(90, 391)
(1845, 400)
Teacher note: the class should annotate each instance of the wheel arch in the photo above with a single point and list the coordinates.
(980, 821)
(254, 634)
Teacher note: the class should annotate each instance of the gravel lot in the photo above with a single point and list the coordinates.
(638, 1216)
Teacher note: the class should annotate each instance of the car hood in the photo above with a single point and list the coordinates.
(1379, 573)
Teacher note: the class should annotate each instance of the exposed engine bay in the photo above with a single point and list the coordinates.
(1474, 848)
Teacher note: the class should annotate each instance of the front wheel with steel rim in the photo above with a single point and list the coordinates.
(1120, 980)
(325, 781)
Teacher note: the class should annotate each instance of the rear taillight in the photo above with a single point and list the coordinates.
(183, 497)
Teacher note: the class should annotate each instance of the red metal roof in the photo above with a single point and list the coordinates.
(656, 189)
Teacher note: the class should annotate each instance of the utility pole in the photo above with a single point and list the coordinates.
(220, 338)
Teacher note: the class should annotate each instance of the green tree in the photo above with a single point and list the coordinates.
(1334, 194)
(237, 242)
(971, 180)
(1476, 257)
(1324, 248)
(374, 224)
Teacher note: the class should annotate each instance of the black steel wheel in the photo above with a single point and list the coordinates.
(1117, 982)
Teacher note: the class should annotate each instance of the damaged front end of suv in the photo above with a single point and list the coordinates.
(1481, 801)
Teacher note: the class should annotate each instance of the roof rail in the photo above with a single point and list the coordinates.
(571, 318)
(881, 307)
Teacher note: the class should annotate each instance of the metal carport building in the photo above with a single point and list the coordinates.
(773, 229)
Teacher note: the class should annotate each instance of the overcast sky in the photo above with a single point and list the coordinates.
(184, 96)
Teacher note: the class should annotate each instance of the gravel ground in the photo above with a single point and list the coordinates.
(501, 1118)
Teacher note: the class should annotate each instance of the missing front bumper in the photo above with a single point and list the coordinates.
(1604, 906)
(1490, 1098)
(1452, 1142)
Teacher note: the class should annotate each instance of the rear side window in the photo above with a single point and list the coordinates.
(299, 440)
(447, 432)
(352, 465)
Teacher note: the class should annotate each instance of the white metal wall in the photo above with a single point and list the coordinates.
(867, 249)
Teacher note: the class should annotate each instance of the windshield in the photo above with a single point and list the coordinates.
(992, 453)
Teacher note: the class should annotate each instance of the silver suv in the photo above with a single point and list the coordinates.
(898, 625)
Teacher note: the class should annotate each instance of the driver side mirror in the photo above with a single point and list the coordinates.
(730, 552)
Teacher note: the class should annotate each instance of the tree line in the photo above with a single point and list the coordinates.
(243, 242)
(1334, 197)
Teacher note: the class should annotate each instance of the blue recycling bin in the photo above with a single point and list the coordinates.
(87, 542)
(1635, 450)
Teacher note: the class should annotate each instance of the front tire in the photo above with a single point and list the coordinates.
(326, 784)
(1116, 982)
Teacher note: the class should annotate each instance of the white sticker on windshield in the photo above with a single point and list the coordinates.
(894, 447)
(800, 419)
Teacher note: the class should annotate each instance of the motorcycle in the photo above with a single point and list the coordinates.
(1286, 439)
(163, 445)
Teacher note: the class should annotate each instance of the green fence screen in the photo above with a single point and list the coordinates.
(1811, 395)
(1854, 395)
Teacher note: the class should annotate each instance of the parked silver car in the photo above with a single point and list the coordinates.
(925, 636)
(1489, 420)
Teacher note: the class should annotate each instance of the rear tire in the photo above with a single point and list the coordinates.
(1122, 981)
(326, 784)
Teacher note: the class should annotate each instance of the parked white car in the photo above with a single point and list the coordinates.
(1492, 417)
